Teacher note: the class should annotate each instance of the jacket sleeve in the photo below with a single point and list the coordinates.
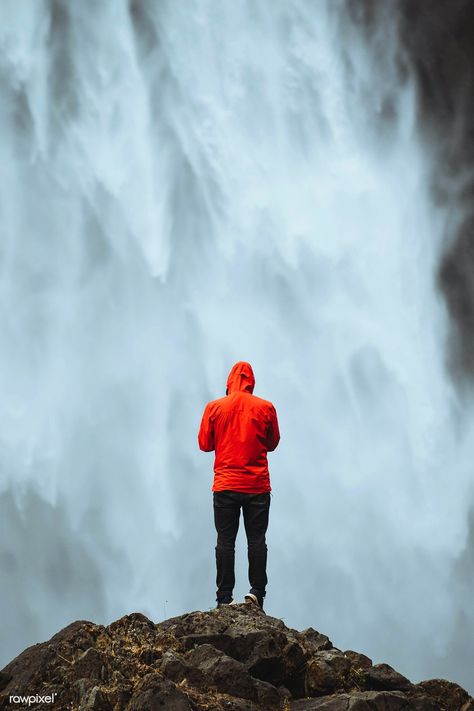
(273, 432)
(206, 432)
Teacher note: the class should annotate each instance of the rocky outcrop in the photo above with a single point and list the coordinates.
(232, 659)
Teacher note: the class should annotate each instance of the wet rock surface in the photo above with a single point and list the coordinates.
(232, 659)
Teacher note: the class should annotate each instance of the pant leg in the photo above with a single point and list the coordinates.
(226, 519)
(256, 510)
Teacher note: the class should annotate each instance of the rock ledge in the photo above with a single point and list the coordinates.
(232, 659)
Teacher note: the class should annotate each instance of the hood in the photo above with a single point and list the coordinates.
(241, 377)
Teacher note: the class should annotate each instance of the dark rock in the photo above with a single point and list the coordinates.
(314, 641)
(150, 656)
(91, 664)
(197, 623)
(236, 705)
(358, 660)
(295, 668)
(264, 657)
(327, 671)
(95, 700)
(220, 671)
(382, 677)
(357, 701)
(217, 670)
(173, 666)
(4, 679)
(119, 691)
(81, 633)
(135, 622)
(285, 695)
(446, 694)
(270, 651)
(421, 702)
(41, 662)
(82, 687)
(231, 659)
(268, 696)
(154, 693)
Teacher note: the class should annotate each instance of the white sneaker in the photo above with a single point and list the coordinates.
(225, 604)
(252, 599)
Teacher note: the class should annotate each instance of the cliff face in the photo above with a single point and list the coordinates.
(233, 659)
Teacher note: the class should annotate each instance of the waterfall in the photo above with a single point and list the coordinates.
(184, 185)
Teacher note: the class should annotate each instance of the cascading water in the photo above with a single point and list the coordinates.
(184, 185)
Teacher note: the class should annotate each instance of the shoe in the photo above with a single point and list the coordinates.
(225, 601)
(252, 599)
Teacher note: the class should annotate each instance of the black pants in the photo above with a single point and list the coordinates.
(255, 508)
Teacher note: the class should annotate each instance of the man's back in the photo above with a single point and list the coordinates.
(241, 428)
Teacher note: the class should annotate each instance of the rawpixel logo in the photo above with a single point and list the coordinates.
(33, 699)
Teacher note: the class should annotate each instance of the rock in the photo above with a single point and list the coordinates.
(4, 679)
(357, 701)
(446, 694)
(270, 651)
(265, 658)
(154, 693)
(314, 641)
(82, 687)
(235, 658)
(382, 677)
(91, 664)
(39, 661)
(327, 671)
(95, 700)
(173, 666)
(134, 625)
(217, 670)
(378, 701)
(358, 660)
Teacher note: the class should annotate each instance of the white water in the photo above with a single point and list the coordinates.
(183, 187)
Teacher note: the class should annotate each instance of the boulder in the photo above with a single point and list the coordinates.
(154, 693)
(358, 660)
(327, 670)
(383, 677)
(447, 695)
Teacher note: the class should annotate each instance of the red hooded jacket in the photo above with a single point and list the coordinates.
(241, 428)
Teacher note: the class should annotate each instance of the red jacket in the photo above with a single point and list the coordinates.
(241, 428)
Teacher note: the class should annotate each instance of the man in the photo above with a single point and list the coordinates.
(241, 428)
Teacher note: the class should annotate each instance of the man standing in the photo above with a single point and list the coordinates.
(241, 428)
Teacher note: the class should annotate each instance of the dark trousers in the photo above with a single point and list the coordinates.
(255, 508)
